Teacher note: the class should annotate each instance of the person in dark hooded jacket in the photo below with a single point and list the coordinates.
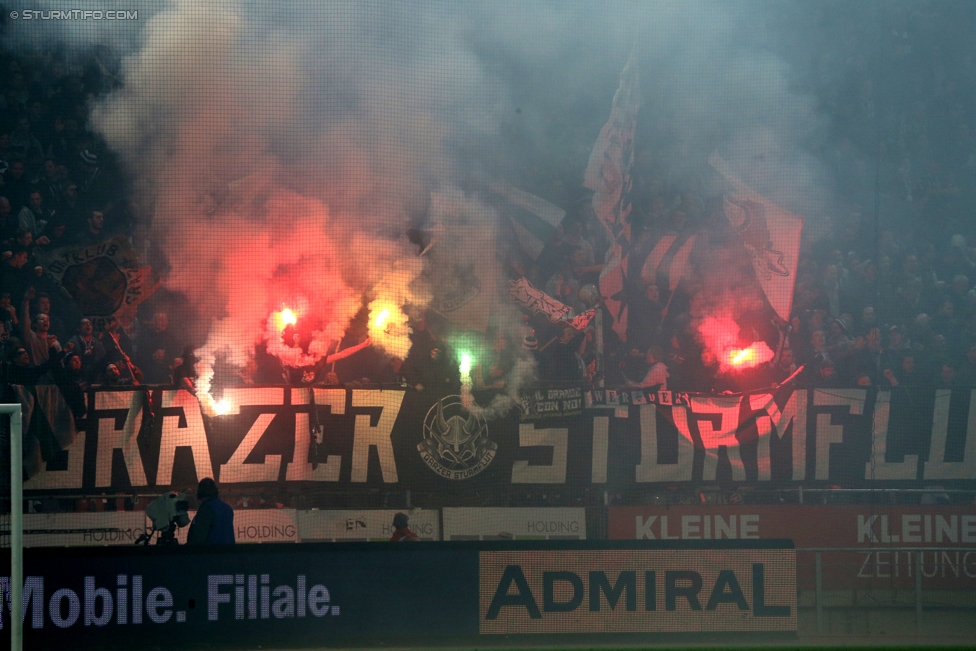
(438, 372)
(214, 522)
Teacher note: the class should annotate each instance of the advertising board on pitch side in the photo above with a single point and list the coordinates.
(345, 593)
(872, 527)
(499, 523)
(363, 525)
(124, 528)
(637, 590)
(258, 526)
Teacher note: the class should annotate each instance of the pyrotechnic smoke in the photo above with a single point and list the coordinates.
(521, 373)
(260, 137)
(462, 257)
(388, 328)
(717, 311)
(724, 346)
(480, 354)
(280, 165)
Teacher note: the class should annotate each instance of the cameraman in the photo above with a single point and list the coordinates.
(214, 522)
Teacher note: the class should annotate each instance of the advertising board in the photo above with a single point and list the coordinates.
(638, 591)
(82, 529)
(888, 534)
(498, 523)
(342, 593)
(257, 526)
(360, 525)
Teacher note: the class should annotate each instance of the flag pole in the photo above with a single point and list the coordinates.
(548, 343)
(598, 335)
(590, 294)
(664, 312)
(338, 343)
(783, 332)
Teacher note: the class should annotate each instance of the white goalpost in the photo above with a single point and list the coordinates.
(16, 525)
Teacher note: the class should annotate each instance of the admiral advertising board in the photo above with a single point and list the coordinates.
(947, 535)
(338, 593)
(152, 439)
(637, 591)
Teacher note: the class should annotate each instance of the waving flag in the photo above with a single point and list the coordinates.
(613, 281)
(105, 279)
(771, 236)
(534, 219)
(608, 175)
(608, 171)
(462, 268)
(523, 293)
(667, 263)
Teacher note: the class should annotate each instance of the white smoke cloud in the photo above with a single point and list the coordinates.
(275, 142)
(280, 164)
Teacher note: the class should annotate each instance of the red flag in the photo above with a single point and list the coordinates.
(583, 320)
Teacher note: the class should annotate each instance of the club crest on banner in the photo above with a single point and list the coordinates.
(104, 279)
(749, 220)
(456, 444)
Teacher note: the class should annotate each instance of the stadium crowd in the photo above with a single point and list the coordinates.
(884, 295)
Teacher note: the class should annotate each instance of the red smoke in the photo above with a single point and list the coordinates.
(724, 346)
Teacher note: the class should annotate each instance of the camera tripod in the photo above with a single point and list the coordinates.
(167, 536)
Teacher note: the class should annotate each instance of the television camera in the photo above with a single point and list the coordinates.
(168, 512)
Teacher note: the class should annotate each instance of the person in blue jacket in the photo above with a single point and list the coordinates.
(214, 522)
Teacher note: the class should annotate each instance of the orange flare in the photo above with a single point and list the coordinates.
(742, 356)
(222, 407)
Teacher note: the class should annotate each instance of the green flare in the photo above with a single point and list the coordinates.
(465, 366)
